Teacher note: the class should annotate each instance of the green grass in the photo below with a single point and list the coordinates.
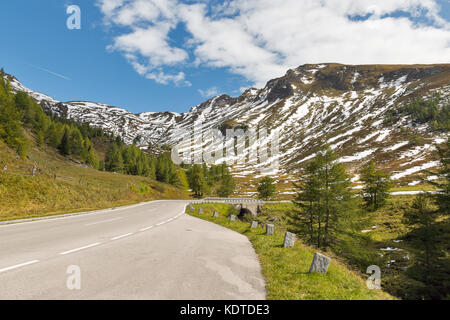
(286, 270)
(63, 186)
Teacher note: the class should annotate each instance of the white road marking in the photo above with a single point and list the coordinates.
(122, 236)
(161, 223)
(18, 266)
(91, 224)
(78, 249)
(144, 229)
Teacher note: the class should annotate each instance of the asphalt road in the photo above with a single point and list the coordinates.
(144, 251)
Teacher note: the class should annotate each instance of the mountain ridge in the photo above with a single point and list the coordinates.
(344, 105)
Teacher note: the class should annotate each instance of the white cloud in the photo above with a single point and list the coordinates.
(261, 39)
(210, 92)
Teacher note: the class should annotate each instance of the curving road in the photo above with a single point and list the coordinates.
(145, 251)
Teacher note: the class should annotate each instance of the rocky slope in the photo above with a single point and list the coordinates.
(343, 105)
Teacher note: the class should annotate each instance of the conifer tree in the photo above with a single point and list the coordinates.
(114, 159)
(76, 141)
(377, 185)
(266, 188)
(64, 146)
(197, 181)
(442, 198)
(326, 204)
(227, 186)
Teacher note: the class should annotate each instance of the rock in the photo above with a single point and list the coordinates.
(273, 219)
(279, 89)
(319, 264)
(232, 218)
(269, 229)
(254, 224)
(191, 207)
(289, 240)
(200, 210)
(215, 214)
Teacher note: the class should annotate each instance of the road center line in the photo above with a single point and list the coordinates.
(78, 249)
(18, 266)
(161, 223)
(91, 224)
(144, 229)
(122, 236)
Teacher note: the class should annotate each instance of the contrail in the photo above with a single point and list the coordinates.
(51, 72)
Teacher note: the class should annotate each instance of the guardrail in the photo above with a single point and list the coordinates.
(236, 200)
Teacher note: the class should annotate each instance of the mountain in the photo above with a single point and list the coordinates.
(360, 110)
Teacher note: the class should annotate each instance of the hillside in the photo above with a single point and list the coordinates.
(64, 185)
(361, 111)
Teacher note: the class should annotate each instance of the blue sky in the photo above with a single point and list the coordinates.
(169, 55)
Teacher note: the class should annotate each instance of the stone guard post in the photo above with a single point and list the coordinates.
(319, 264)
(269, 229)
(289, 240)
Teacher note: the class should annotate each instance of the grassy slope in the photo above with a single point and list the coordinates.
(389, 231)
(76, 187)
(286, 270)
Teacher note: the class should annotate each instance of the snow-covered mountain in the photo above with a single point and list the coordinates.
(344, 105)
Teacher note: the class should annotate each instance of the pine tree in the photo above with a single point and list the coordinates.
(181, 180)
(327, 205)
(227, 186)
(266, 188)
(422, 221)
(76, 141)
(114, 159)
(64, 146)
(197, 181)
(377, 185)
(442, 198)
(304, 221)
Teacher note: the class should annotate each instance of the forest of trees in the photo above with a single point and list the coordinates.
(19, 112)
(129, 159)
(430, 110)
(330, 215)
(215, 179)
